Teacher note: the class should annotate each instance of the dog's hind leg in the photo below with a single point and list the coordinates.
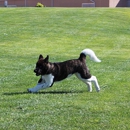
(89, 84)
(94, 80)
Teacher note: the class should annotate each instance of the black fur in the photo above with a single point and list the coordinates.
(61, 70)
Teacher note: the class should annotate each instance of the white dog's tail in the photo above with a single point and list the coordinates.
(91, 54)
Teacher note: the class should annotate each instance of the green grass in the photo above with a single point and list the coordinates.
(62, 33)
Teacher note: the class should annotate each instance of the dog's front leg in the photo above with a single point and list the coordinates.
(47, 81)
(38, 87)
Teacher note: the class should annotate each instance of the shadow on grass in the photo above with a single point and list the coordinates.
(48, 92)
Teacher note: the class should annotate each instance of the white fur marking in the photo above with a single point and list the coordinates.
(47, 81)
(89, 81)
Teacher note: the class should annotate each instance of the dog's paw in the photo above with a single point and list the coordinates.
(98, 90)
(29, 90)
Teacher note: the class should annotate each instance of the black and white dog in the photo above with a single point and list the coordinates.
(53, 72)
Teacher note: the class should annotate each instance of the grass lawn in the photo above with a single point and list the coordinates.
(62, 33)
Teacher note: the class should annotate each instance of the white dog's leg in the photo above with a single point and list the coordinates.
(94, 80)
(38, 87)
(47, 81)
(89, 82)
(89, 86)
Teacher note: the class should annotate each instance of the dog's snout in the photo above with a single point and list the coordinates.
(35, 70)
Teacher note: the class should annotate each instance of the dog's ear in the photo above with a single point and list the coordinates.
(47, 59)
(40, 57)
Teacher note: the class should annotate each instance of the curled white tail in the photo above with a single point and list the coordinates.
(91, 54)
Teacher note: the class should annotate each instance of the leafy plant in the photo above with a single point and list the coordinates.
(39, 5)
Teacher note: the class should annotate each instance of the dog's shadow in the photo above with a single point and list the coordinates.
(47, 92)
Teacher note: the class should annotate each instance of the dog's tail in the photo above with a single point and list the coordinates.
(91, 54)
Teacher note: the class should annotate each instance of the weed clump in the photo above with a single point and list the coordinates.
(39, 5)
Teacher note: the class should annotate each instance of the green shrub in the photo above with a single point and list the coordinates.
(39, 5)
